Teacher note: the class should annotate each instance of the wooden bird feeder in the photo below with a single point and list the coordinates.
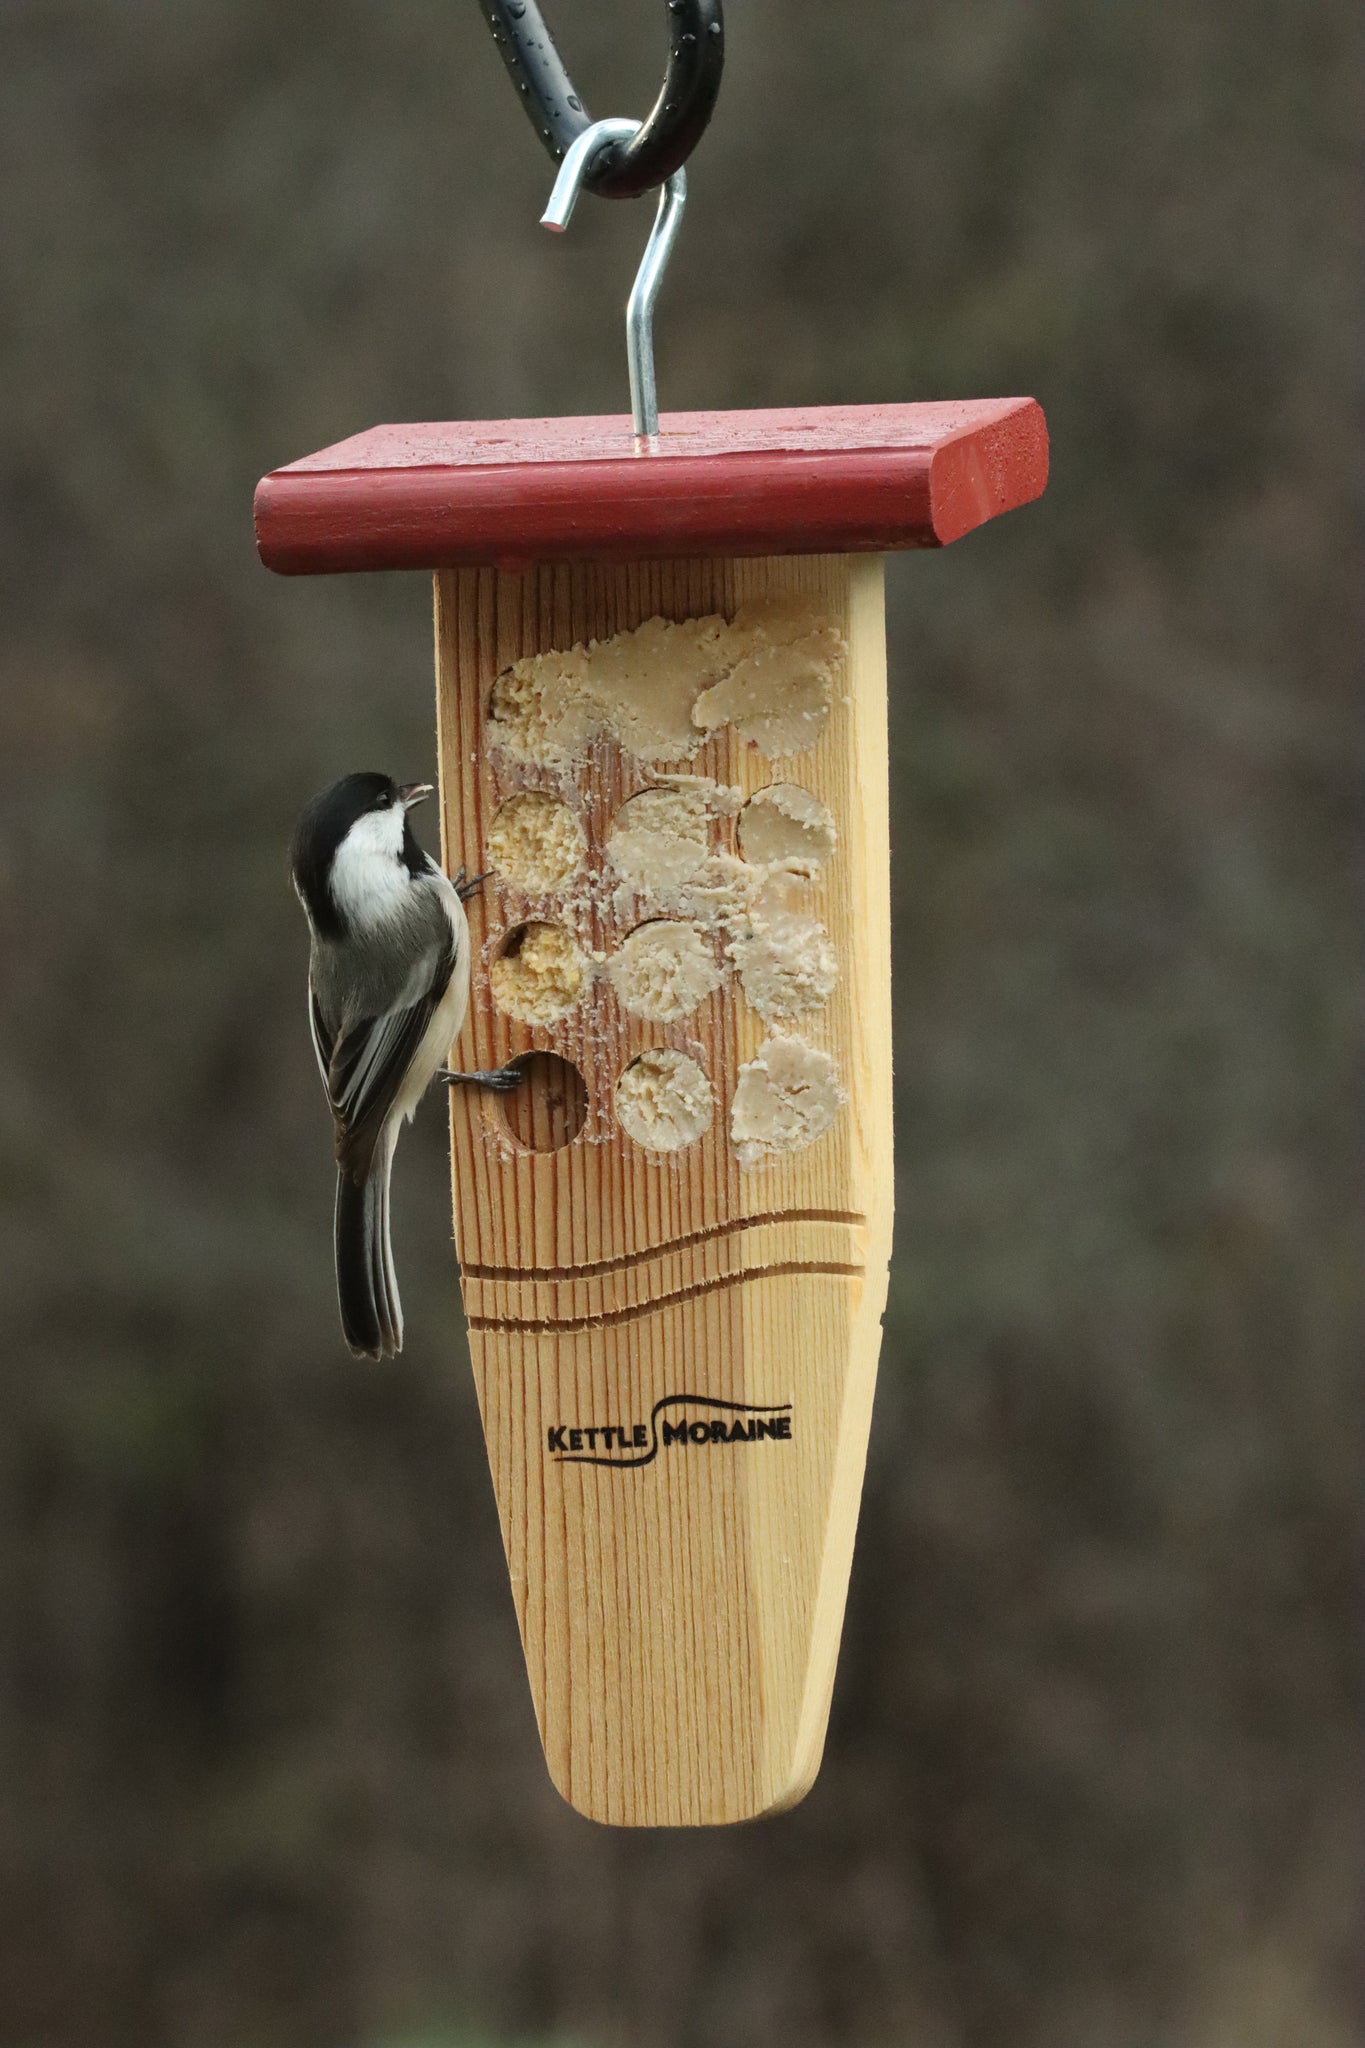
(674, 1237)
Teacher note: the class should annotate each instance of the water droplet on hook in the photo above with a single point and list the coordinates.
(714, 29)
(575, 103)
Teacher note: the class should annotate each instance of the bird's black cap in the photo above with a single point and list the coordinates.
(320, 831)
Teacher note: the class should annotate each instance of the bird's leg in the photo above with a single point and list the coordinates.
(464, 890)
(502, 1079)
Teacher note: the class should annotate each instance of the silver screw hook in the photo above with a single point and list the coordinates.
(644, 399)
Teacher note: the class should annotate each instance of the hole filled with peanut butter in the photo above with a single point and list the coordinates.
(664, 1100)
(539, 974)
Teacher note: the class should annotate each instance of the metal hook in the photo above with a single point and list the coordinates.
(644, 400)
(669, 132)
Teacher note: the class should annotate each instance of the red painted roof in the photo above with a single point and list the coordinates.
(828, 479)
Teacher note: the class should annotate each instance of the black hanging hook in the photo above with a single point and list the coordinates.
(671, 130)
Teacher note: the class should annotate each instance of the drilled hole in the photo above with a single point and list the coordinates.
(537, 842)
(785, 822)
(551, 1106)
(664, 1100)
(539, 974)
(660, 837)
(663, 969)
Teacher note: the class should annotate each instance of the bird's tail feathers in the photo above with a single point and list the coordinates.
(367, 1290)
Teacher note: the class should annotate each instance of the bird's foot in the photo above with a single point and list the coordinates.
(464, 890)
(501, 1079)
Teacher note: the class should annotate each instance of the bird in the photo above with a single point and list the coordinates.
(388, 987)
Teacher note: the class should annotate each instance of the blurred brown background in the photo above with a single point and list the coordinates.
(268, 1771)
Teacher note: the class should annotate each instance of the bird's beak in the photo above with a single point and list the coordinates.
(412, 793)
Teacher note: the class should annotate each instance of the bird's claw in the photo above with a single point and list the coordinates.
(502, 1080)
(464, 890)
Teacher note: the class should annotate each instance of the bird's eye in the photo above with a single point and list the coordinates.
(382, 803)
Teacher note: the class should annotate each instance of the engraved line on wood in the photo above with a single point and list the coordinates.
(673, 1244)
(649, 1308)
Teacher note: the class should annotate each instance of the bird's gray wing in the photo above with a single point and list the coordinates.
(368, 1059)
(323, 1039)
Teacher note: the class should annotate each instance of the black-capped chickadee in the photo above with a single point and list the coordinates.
(388, 986)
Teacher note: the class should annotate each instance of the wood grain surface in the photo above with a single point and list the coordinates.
(680, 1597)
(515, 492)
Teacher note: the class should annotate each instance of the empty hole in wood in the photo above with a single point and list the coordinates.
(551, 1106)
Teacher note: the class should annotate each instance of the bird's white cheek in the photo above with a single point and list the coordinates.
(369, 881)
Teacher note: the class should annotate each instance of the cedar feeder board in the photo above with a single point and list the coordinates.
(661, 695)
